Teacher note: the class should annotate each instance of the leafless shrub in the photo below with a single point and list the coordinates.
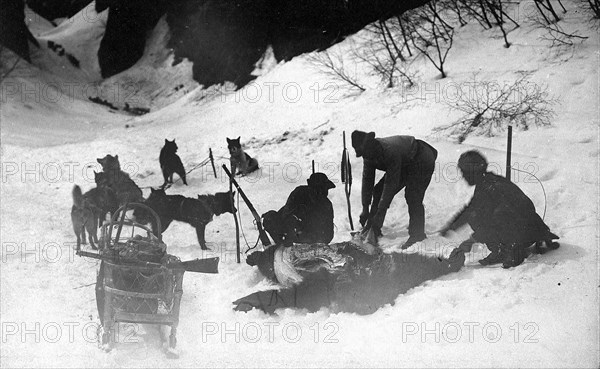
(591, 5)
(595, 7)
(488, 107)
(431, 35)
(547, 5)
(382, 50)
(456, 9)
(476, 9)
(333, 65)
(496, 9)
(556, 35)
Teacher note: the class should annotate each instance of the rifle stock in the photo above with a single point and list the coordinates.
(209, 265)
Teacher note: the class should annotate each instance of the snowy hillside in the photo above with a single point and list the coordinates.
(543, 313)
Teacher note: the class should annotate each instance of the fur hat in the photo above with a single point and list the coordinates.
(320, 180)
(359, 139)
(472, 160)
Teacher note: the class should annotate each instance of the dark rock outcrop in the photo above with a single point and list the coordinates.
(223, 38)
(14, 34)
(127, 28)
(52, 9)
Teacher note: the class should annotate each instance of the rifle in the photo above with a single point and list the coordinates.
(209, 265)
(261, 232)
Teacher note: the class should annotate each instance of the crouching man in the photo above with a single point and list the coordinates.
(500, 214)
(306, 217)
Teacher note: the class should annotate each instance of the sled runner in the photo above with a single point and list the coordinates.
(138, 282)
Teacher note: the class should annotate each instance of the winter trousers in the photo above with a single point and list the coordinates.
(416, 176)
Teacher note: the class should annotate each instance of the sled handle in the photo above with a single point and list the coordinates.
(124, 209)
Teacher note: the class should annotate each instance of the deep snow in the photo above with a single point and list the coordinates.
(543, 313)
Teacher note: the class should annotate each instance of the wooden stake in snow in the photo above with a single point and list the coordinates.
(347, 179)
(212, 161)
(508, 152)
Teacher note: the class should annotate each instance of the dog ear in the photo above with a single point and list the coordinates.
(370, 135)
(238, 138)
(117, 156)
(228, 140)
(166, 141)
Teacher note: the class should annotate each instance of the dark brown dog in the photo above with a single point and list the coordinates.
(124, 187)
(195, 212)
(103, 197)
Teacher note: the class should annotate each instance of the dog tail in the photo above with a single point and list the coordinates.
(77, 196)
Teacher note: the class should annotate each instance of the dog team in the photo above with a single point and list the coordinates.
(114, 188)
(500, 214)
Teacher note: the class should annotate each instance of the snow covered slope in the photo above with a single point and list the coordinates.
(71, 48)
(543, 313)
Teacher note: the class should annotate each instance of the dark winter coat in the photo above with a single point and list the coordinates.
(312, 214)
(500, 212)
(398, 151)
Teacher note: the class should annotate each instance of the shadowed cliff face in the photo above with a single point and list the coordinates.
(13, 31)
(223, 38)
(127, 28)
(52, 9)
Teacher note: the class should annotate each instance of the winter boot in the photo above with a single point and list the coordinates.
(552, 245)
(493, 258)
(412, 240)
(539, 249)
(496, 256)
(514, 255)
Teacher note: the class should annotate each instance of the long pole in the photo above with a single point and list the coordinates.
(508, 152)
(261, 232)
(237, 224)
(212, 161)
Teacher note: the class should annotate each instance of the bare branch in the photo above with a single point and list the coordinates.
(332, 64)
(488, 108)
(382, 51)
(556, 35)
(431, 37)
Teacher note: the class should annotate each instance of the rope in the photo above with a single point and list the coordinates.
(540, 182)
(201, 164)
(85, 285)
(242, 228)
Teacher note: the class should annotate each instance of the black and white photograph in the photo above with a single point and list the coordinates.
(299, 184)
